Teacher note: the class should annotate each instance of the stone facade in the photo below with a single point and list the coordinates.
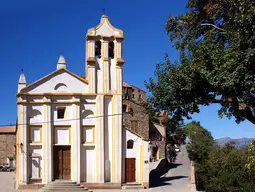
(157, 138)
(133, 93)
(7, 144)
(136, 113)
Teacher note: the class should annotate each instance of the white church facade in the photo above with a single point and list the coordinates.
(70, 127)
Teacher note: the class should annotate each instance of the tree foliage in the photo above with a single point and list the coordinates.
(201, 141)
(219, 169)
(216, 41)
(250, 164)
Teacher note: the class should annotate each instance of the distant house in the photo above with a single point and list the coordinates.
(8, 145)
(157, 136)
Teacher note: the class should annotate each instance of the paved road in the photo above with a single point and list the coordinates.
(7, 180)
(178, 177)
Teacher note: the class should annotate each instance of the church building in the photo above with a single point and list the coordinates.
(70, 127)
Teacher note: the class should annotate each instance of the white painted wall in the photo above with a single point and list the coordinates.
(106, 30)
(88, 134)
(88, 164)
(68, 114)
(113, 75)
(62, 136)
(132, 153)
(88, 114)
(108, 138)
(35, 114)
(146, 171)
(35, 134)
(73, 85)
(35, 162)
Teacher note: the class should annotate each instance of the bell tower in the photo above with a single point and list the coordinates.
(104, 73)
(104, 58)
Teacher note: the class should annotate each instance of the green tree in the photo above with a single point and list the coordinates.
(224, 171)
(216, 41)
(193, 128)
(201, 141)
(250, 164)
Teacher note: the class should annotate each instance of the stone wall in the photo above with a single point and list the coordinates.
(161, 148)
(7, 146)
(139, 114)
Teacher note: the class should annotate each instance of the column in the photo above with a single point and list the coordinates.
(117, 145)
(118, 45)
(23, 141)
(47, 142)
(76, 144)
(100, 138)
(92, 78)
(119, 79)
(105, 60)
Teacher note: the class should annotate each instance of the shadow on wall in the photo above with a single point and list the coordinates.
(163, 167)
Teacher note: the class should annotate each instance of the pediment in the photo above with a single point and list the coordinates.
(59, 81)
(105, 28)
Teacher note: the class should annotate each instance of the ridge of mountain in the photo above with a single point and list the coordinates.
(239, 142)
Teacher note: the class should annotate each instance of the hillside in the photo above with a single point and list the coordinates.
(241, 142)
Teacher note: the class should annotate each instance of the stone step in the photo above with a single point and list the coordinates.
(64, 189)
(133, 186)
(62, 186)
(66, 186)
(62, 183)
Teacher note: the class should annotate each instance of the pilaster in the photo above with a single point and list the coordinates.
(23, 126)
(92, 78)
(100, 139)
(119, 79)
(117, 138)
(47, 141)
(76, 144)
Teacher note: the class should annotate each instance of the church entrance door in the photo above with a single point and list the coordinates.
(62, 162)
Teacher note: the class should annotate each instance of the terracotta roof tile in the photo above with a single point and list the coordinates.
(124, 84)
(7, 129)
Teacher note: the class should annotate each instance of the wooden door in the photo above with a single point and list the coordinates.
(66, 164)
(130, 169)
(62, 164)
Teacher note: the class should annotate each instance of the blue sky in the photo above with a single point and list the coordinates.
(34, 33)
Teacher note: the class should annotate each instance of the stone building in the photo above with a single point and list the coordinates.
(133, 93)
(8, 145)
(157, 136)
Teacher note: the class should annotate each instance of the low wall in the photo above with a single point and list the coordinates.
(192, 177)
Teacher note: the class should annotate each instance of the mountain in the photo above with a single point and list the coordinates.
(241, 142)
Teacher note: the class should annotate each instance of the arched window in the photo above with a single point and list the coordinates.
(130, 144)
(60, 87)
(35, 114)
(111, 50)
(98, 49)
(87, 114)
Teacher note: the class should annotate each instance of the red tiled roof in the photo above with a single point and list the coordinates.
(124, 84)
(161, 114)
(7, 129)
